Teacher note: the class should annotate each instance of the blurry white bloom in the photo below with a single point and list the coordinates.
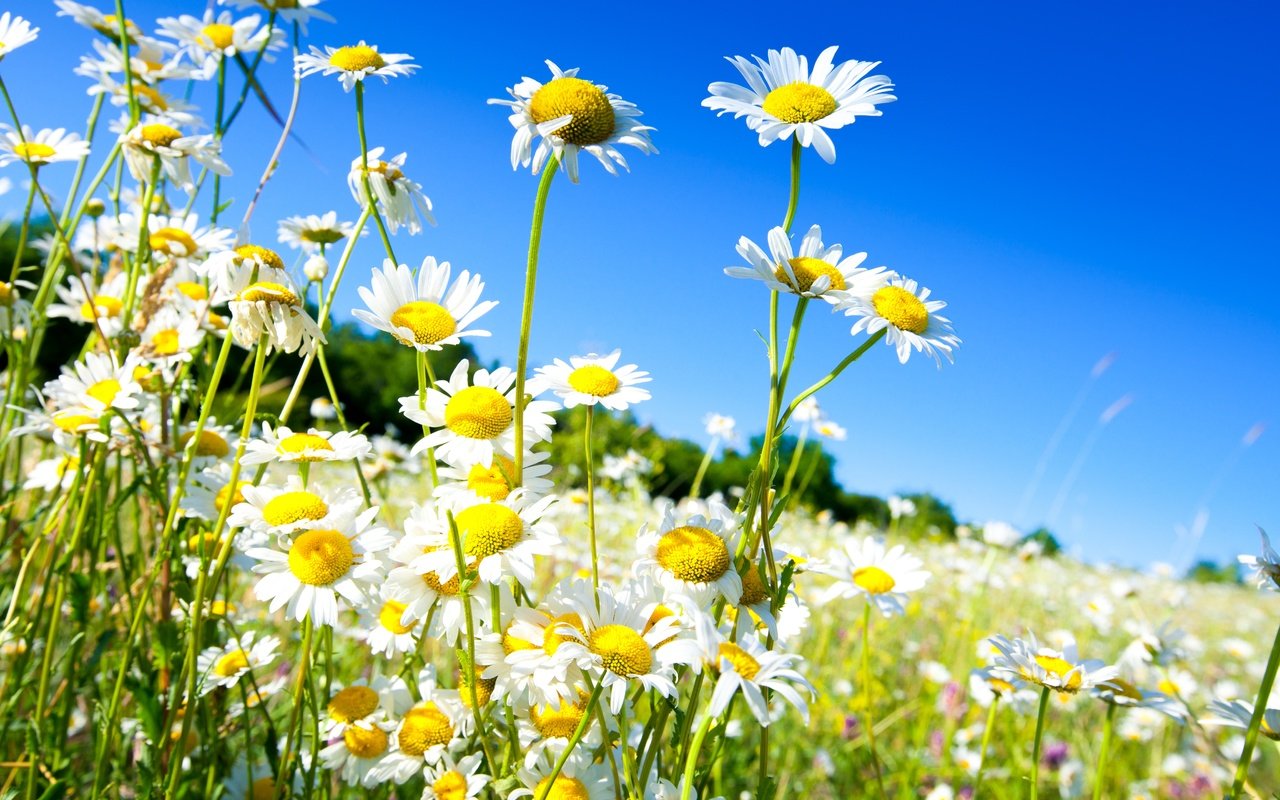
(721, 427)
(14, 33)
(1060, 670)
(37, 149)
(1266, 565)
(1238, 714)
(830, 430)
(1000, 534)
(322, 409)
(900, 507)
(223, 666)
(206, 41)
(299, 11)
(314, 232)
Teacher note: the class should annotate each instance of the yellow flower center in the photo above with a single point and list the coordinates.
(593, 120)
(263, 789)
(104, 391)
(492, 482)
(365, 742)
(622, 651)
(564, 787)
(1000, 686)
(33, 151)
(873, 580)
(484, 689)
(488, 529)
(320, 557)
(450, 786)
(220, 608)
(390, 615)
(902, 308)
(165, 342)
(158, 134)
(192, 290)
(173, 242)
(101, 305)
(693, 554)
(303, 442)
(321, 235)
(425, 726)
(150, 99)
(287, 508)
(807, 270)
(511, 644)
(800, 102)
(268, 292)
(753, 590)
(551, 639)
(387, 170)
(226, 495)
(231, 663)
(594, 380)
(1122, 688)
(211, 443)
(262, 255)
(1167, 686)
(353, 703)
(357, 58)
(743, 663)
(1060, 667)
(478, 412)
(70, 421)
(7, 294)
(557, 723)
(430, 322)
(219, 35)
(450, 587)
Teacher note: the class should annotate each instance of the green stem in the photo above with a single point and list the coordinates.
(1108, 729)
(591, 502)
(295, 716)
(794, 199)
(578, 732)
(796, 455)
(831, 376)
(1035, 747)
(364, 173)
(22, 232)
(982, 749)
(867, 697)
(526, 314)
(691, 761)
(1255, 722)
(696, 487)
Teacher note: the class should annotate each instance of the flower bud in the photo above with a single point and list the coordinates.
(316, 268)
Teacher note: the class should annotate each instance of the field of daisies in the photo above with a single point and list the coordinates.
(259, 600)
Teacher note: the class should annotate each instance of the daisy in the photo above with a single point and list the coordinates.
(275, 309)
(571, 115)
(455, 780)
(1060, 670)
(426, 314)
(718, 426)
(95, 20)
(181, 238)
(170, 336)
(222, 667)
(549, 728)
(591, 379)
(97, 384)
(353, 63)
(15, 313)
(37, 149)
(283, 445)
(309, 570)
(299, 11)
(163, 108)
(425, 733)
(494, 482)
(400, 198)
(89, 303)
(1266, 565)
(147, 141)
(818, 271)
(14, 33)
(1239, 714)
(580, 779)
(524, 659)
(149, 59)
(476, 419)
(292, 508)
(363, 703)
(1119, 692)
(866, 568)
(313, 233)
(52, 474)
(784, 97)
(206, 41)
(694, 557)
(902, 309)
(499, 539)
(385, 632)
(746, 666)
(358, 749)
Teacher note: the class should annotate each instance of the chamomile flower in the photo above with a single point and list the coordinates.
(37, 149)
(87, 302)
(224, 666)
(1119, 692)
(385, 631)
(902, 309)
(783, 97)
(400, 199)
(694, 556)
(569, 115)
(866, 568)
(283, 445)
(746, 666)
(97, 384)
(157, 139)
(499, 539)
(1239, 714)
(591, 379)
(95, 20)
(178, 237)
(1060, 670)
(309, 570)
(292, 508)
(427, 313)
(548, 728)
(151, 61)
(14, 33)
(299, 11)
(476, 418)
(425, 733)
(54, 473)
(314, 232)
(363, 702)
(274, 309)
(357, 749)
(208, 40)
(496, 481)
(525, 660)
(718, 426)
(455, 780)
(170, 336)
(817, 271)
(353, 63)
(1267, 565)
(579, 779)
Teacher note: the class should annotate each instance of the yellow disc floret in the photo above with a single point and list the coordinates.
(263, 255)
(1061, 668)
(593, 120)
(357, 58)
(873, 580)
(594, 380)
(564, 787)
(218, 35)
(104, 391)
(693, 554)
(552, 639)
(304, 446)
(210, 445)
(102, 305)
(425, 726)
(492, 482)
(429, 322)
(268, 292)
(173, 242)
(391, 614)
(557, 723)
(483, 687)
(33, 152)
(191, 289)
(488, 528)
(800, 102)
(478, 412)
(320, 557)
(753, 590)
(353, 703)
(622, 651)
(450, 786)
(365, 742)
(157, 134)
(166, 342)
(231, 664)
(901, 308)
(287, 508)
(807, 270)
(743, 662)
(263, 789)
(227, 495)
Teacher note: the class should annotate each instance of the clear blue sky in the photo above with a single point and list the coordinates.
(1073, 178)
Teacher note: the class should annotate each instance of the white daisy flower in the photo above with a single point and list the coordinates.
(147, 141)
(230, 271)
(363, 702)
(1060, 670)
(292, 508)
(309, 570)
(299, 11)
(1267, 565)
(53, 474)
(357, 749)
(87, 302)
(571, 115)
(95, 20)
(275, 308)
(694, 557)
(494, 482)
(152, 61)
(525, 660)
(314, 232)
(831, 430)
(746, 666)
(476, 418)
(901, 308)
(207, 40)
(162, 108)
(15, 312)
(1119, 692)
(400, 198)
(222, 667)
(783, 97)
(455, 780)
(579, 779)
(181, 238)
(284, 446)
(14, 33)
(885, 577)
(96, 384)
(170, 336)
(48, 146)
(1239, 714)
(353, 63)
(256, 696)
(425, 733)
(425, 314)
(549, 728)
(385, 632)
(591, 379)
(212, 449)
(499, 539)
(719, 426)
(818, 271)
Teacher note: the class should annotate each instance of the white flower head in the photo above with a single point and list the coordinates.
(902, 308)
(694, 556)
(427, 313)
(593, 379)
(865, 567)
(34, 148)
(14, 33)
(284, 445)
(816, 271)
(1026, 661)
(400, 199)
(1267, 565)
(353, 63)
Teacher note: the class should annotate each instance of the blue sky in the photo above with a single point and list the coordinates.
(1074, 179)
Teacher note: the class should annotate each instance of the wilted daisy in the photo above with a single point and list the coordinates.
(309, 570)
(353, 63)
(475, 418)
(207, 40)
(1239, 714)
(275, 309)
(884, 576)
(222, 667)
(1060, 670)
(746, 666)
(571, 115)
(148, 141)
(37, 149)
(284, 510)
(314, 232)
(400, 199)
(284, 445)
(694, 556)
(783, 97)
(455, 780)
(14, 33)
(427, 313)
(593, 379)
(818, 271)
(902, 309)
(1267, 565)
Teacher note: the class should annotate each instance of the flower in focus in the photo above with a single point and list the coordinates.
(157, 139)
(499, 539)
(426, 314)
(314, 232)
(400, 198)
(206, 41)
(591, 379)
(286, 510)
(272, 308)
(746, 666)
(783, 97)
(902, 309)
(14, 33)
(818, 271)
(1060, 670)
(571, 115)
(864, 567)
(353, 63)
(283, 445)
(37, 149)
(222, 667)
(455, 780)
(694, 558)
